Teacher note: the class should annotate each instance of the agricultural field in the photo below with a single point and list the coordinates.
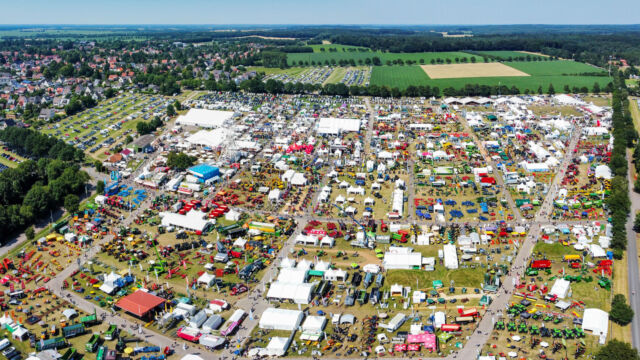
(511, 54)
(541, 75)
(478, 70)
(319, 58)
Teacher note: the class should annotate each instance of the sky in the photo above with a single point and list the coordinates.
(313, 12)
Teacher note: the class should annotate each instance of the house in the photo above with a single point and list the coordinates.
(143, 144)
(115, 158)
(46, 114)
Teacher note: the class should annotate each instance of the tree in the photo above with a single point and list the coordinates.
(617, 350)
(621, 313)
(551, 90)
(100, 187)
(179, 161)
(171, 111)
(636, 223)
(30, 233)
(596, 88)
(71, 203)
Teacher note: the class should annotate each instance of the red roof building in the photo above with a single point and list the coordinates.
(140, 303)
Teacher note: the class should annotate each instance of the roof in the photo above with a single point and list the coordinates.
(596, 321)
(144, 140)
(139, 303)
(280, 319)
(336, 125)
(204, 118)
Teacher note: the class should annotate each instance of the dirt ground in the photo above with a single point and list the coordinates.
(452, 71)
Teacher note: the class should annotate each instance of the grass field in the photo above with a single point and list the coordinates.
(404, 76)
(321, 57)
(557, 67)
(275, 71)
(506, 54)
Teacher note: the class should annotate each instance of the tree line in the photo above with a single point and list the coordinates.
(624, 136)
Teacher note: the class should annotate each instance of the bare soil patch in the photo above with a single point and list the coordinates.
(451, 71)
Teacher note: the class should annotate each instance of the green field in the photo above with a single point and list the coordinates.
(274, 71)
(506, 54)
(542, 74)
(558, 67)
(321, 57)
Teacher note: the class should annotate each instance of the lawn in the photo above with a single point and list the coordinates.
(470, 278)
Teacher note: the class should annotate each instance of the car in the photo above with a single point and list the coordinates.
(10, 350)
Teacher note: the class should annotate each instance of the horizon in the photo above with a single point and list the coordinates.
(330, 12)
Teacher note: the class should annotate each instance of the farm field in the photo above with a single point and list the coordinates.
(507, 54)
(450, 71)
(558, 67)
(404, 76)
(321, 57)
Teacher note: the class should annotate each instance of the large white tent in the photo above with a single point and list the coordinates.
(560, 288)
(281, 319)
(204, 118)
(298, 293)
(596, 321)
(402, 261)
(211, 138)
(450, 257)
(193, 220)
(336, 125)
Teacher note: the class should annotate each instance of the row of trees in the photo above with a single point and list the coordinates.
(624, 135)
(33, 144)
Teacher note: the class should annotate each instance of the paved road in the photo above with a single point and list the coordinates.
(632, 258)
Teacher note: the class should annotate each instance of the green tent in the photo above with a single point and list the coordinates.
(437, 284)
(444, 337)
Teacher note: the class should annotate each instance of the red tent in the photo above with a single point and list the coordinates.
(140, 303)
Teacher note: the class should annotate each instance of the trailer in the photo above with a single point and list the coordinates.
(92, 344)
(111, 333)
(73, 330)
(89, 320)
(53, 343)
(69, 354)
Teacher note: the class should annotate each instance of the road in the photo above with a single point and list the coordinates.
(632, 258)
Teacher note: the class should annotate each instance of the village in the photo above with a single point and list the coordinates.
(306, 226)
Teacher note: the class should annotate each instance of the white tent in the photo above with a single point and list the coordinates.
(277, 346)
(402, 261)
(335, 275)
(560, 288)
(603, 171)
(596, 321)
(450, 257)
(298, 293)
(206, 279)
(294, 276)
(314, 323)
(281, 319)
(204, 118)
(335, 125)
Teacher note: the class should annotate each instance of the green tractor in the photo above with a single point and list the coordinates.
(499, 325)
(547, 318)
(534, 330)
(604, 282)
(511, 326)
(522, 328)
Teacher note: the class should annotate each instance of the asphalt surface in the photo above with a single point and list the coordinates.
(632, 259)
